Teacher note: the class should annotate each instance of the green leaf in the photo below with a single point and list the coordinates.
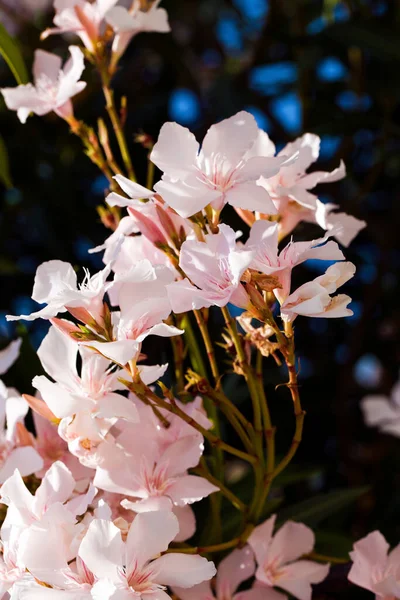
(292, 474)
(5, 176)
(316, 509)
(11, 53)
(333, 544)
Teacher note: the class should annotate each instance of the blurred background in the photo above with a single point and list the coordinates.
(328, 67)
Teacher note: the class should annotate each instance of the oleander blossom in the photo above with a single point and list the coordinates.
(290, 188)
(217, 173)
(108, 567)
(375, 568)
(128, 23)
(53, 88)
(313, 299)
(214, 268)
(382, 412)
(85, 19)
(279, 561)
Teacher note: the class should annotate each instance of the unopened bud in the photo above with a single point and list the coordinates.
(41, 408)
(148, 228)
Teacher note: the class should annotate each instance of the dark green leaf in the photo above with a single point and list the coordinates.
(316, 509)
(11, 53)
(5, 176)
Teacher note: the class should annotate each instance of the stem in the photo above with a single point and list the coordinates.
(197, 361)
(207, 343)
(114, 117)
(178, 352)
(150, 174)
(203, 471)
(207, 549)
(269, 430)
(324, 558)
(254, 393)
(288, 351)
(214, 440)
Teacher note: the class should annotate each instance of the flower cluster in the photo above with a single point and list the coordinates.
(99, 501)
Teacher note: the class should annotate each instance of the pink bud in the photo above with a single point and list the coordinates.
(65, 327)
(148, 228)
(246, 215)
(41, 408)
(87, 24)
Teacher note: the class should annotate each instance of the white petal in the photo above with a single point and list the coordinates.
(9, 355)
(175, 151)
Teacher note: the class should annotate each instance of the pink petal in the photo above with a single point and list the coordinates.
(231, 138)
(58, 354)
(182, 570)
(260, 539)
(102, 550)
(250, 196)
(175, 151)
(238, 566)
(150, 534)
(189, 489)
(187, 522)
(57, 486)
(368, 553)
(291, 541)
(9, 355)
(26, 460)
(183, 454)
(260, 592)
(201, 591)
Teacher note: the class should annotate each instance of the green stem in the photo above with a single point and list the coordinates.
(207, 549)
(203, 471)
(114, 117)
(214, 440)
(254, 393)
(207, 343)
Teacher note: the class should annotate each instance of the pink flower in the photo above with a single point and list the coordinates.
(87, 405)
(216, 174)
(215, 267)
(80, 17)
(54, 87)
(13, 409)
(375, 568)
(233, 570)
(141, 294)
(9, 355)
(382, 412)
(51, 448)
(263, 241)
(128, 23)
(53, 510)
(129, 566)
(313, 298)
(56, 286)
(152, 472)
(277, 555)
(293, 181)
(290, 189)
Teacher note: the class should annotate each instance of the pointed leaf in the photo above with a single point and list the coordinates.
(5, 176)
(316, 509)
(11, 53)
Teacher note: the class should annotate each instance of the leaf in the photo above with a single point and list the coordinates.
(292, 474)
(11, 53)
(332, 544)
(316, 509)
(5, 175)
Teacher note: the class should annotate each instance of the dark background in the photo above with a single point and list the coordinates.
(332, 68)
